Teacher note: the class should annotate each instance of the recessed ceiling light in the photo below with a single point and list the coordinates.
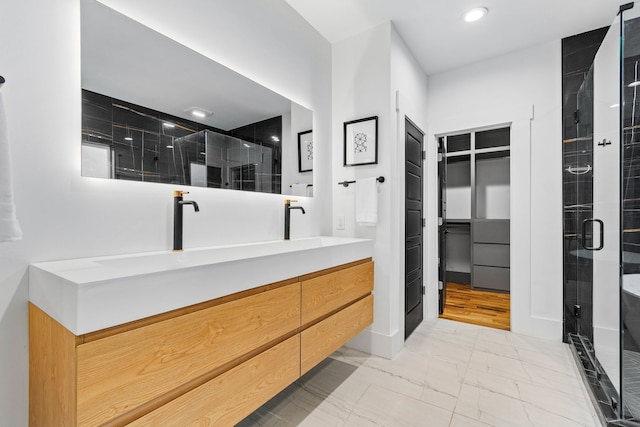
(128, 138)
(198, 112)
(169, 146)
(475, 14)
(275, 138)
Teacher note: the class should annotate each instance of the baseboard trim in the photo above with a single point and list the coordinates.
(377, 344)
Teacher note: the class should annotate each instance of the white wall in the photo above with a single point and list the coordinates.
(408, 97)
(361, 84)
(300, 120)
(522, 88)
(368, 70)
(64, 216)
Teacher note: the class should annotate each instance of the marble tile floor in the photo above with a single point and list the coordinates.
(448, 374)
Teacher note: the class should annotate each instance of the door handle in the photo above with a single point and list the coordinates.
(584, 232)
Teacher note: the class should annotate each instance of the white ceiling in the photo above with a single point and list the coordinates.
(441, 40)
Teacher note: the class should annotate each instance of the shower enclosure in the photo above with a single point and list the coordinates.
(602, 227)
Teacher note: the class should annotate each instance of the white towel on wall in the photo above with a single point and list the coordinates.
(9, 227)
(367, 201)
(299, 190)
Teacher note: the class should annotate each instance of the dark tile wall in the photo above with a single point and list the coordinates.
(631, 146)
(146, 150)
(578, 53)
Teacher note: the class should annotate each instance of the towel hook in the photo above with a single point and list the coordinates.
(2, 80)
(346, 183)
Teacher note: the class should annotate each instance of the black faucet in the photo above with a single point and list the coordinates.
(287, 216)
(177, 217)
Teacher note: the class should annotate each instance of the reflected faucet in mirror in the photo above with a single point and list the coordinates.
(178, 203)
(287, 216)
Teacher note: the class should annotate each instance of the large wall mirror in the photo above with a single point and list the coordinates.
(154, 110)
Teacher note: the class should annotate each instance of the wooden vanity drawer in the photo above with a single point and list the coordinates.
(119, 373)
(328, 292)
(230, 397)
(320, 340)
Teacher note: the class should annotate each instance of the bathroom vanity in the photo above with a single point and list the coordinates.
(211, 362)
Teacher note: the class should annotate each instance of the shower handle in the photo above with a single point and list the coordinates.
(584, 232)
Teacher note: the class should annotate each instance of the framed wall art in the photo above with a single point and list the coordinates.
(305, 151)
(361, 142)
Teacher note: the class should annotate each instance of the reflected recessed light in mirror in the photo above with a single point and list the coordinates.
(168, 125)
(198, 112)
(169, 146)
(275, 138)
(128, 138)
(475, 14)
(634, 84)
(247, 145)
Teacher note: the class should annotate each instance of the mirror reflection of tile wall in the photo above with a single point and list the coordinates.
(121, 140)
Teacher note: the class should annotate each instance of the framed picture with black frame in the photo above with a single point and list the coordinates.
(305, 151)
(361, 142)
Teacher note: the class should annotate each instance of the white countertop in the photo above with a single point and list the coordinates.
(89, 294)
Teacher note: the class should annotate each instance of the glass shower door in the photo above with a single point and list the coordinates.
(630, 290)
(605, 224)
(608, 230)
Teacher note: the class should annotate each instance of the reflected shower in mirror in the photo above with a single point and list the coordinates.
(154, 110)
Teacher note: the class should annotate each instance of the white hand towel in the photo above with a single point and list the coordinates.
(299, 190)
(9, 227)
(367, 201)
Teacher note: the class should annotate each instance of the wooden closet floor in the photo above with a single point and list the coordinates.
(483, 308)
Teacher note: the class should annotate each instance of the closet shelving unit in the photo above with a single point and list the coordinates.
(477, 215)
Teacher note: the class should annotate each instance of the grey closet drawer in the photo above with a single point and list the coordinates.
(495, 278)
(491, 231)
(491, 254)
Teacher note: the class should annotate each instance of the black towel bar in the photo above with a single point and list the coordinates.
(346, 183)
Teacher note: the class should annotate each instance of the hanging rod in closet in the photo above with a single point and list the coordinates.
(346, 183)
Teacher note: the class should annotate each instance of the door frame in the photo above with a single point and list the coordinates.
(472, 130)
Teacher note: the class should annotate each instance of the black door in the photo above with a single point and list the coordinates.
(442, 225)
(414, 289)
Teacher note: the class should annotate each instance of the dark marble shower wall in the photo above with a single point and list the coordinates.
(578, 53)
(631, 144)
